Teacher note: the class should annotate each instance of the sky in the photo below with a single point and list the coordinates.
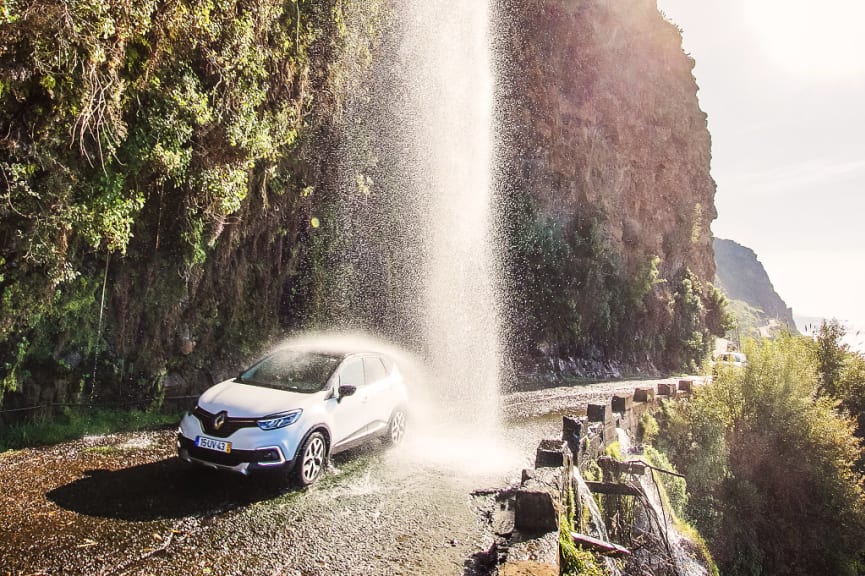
(783, 85)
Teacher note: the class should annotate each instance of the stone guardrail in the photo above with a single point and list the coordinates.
(530, 529)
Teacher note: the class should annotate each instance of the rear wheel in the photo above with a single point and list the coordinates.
(396, 427)
(313, 456)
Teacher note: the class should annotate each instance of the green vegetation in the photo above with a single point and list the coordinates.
(647, 429)
(674, 495)
(770, 460)
(152, 180)
(574, 560)
(674, 490)
(842, 377)
(77, 423)
(621, 513)
(748, 320)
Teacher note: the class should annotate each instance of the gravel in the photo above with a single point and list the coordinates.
(124, 504)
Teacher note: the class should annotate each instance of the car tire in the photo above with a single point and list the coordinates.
(311, 459)
(396, 428)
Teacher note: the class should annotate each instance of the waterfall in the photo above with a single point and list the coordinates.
(414, 241)
(454, 90)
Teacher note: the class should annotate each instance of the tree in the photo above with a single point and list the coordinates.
(831, 352)
(842, 374)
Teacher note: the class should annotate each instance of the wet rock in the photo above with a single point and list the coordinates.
(174, 381)
(538, 502)
(532, 555)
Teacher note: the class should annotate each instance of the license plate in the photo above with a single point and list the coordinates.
(211, 444)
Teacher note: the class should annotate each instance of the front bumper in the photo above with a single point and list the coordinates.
(239, 461)
(252, 449)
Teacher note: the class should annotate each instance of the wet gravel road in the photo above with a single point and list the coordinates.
(124, 504)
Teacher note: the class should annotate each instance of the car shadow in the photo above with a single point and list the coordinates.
(166, 489)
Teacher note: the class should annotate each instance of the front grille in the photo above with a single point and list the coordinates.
(233, 458)
(229, 426)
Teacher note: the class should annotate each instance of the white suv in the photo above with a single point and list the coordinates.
(294, 408)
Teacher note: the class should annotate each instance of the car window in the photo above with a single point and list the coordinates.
(351, 373)
(293, 370)
(374, 370)
(388, 363)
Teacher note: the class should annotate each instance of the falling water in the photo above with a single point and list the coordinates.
(585, 497)
(416, 178)
(454, 86)
(683, 561)
(681, 552)
(599, 527)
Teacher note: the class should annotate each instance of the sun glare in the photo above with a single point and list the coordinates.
(811, 40)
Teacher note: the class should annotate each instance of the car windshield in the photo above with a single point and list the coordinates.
(293, 370)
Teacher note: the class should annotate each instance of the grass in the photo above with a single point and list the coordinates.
(575, 560)
(80, 422)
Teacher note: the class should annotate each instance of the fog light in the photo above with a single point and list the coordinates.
(269, 456)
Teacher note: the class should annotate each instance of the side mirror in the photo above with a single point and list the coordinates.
(346, 390)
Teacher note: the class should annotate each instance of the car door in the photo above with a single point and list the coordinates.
(378, 389)
(350, 416)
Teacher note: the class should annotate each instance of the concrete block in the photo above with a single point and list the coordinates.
(549, 454)
(644, 395)
(668, 390)
(573, 431)
(622, 402)
(535, 511)
(537, 503)
(610, 434)
(597, 412)
(636, 415)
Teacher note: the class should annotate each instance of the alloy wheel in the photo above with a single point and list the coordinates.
(313, 459)
(397, 427)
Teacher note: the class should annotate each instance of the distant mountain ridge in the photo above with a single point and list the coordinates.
(741, 276)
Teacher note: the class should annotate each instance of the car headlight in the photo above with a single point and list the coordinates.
(279, 420)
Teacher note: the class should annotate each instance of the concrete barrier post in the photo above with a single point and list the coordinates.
(573, 433)
(670, 391)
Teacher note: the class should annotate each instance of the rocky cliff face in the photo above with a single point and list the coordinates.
(609, 104)
(742, 277)
(611, 147)
(171, 226)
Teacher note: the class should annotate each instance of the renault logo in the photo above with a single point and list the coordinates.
(219, 420)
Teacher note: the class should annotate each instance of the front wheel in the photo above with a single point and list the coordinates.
(313, 456)
(396, 428)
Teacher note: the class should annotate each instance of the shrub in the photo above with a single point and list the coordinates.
(770, 465)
